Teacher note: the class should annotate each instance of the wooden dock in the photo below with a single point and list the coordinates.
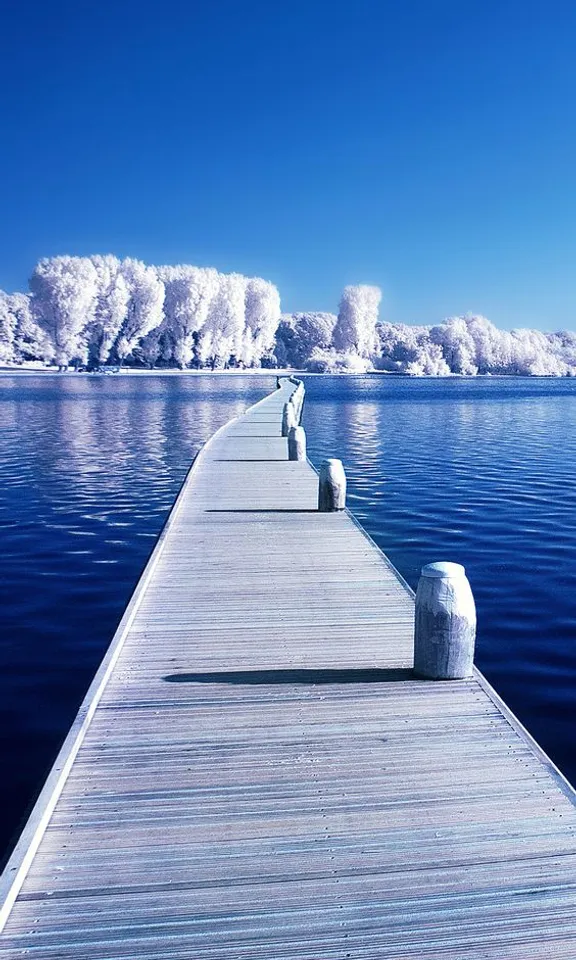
(255, 773)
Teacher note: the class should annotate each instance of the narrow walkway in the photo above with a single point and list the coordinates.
(255, 775)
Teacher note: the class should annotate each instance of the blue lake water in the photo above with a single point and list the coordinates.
(477, 471)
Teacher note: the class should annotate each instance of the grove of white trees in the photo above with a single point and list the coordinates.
(472, 345)
(93, 311)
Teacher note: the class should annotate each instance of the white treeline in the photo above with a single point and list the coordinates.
(21, 337)
(471, 345)
(99, 310)
(468, 345)
(91, 311)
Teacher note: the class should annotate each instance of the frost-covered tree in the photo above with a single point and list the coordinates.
(262, 316)
(102, 307)
(532, 355)
(7, 329)
(204, 352)
(471, 344)
(457, 343)
(65, 291)
(145, 303)
(111, 306)
(224, 328)
(563, 347)
(30, 340)
(300, 334)
(189, 293)
(404, 348)
(428, 360)
(488, 344)
(355, 329)
(149, 348)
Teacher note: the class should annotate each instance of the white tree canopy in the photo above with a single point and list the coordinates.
(300, 334)
(8, 324)
(144, 311)
(457, 343)
(355, 329)
(111, 305)
(470, 345)
(189, 293)
(107, 309)
(30, 341)
(225, 322)
(65, 291)
(262, 316)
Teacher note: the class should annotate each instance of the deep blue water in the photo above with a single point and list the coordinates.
(477, 471)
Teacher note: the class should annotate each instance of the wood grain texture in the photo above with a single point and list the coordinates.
(258, 774)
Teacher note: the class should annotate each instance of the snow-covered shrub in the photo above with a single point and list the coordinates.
(331, 361)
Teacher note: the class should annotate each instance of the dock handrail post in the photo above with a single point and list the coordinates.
(444, 623)
(296, 443)
(331, 486)
(289, 418)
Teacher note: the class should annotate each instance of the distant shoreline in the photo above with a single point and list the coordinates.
(235, 372)
(263, 372)
(156, 371)
(174, 372)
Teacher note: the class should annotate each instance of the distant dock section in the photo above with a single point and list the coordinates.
(258, 770)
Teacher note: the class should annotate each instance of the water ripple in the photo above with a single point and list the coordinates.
(480, 472)
(477, 471)
(89, 469)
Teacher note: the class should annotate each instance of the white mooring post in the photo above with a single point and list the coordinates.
(332, 486)
(294, 402)
(297, 400)
(288, 418)
(445, 623)
(296, 443)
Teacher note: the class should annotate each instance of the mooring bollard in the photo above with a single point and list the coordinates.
(332, 486)
(296, 443)
(445, 623)
(297, 397)
(288, 418)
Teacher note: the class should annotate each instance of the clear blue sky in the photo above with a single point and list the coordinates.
(428, 146)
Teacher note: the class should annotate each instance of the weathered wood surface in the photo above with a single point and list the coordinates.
(263, 779)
